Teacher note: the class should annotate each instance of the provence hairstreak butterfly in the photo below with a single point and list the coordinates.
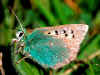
(53, 47)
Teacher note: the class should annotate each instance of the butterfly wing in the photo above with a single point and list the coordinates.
(73, 35)
(59, 45)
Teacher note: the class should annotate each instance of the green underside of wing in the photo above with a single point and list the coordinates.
(45, 49)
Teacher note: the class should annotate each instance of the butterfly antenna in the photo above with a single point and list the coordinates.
(19, 23)
(18, 20)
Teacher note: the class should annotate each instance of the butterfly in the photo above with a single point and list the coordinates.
(54, 47)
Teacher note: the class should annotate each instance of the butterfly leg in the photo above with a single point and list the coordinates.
(27, 56)
(20, 47)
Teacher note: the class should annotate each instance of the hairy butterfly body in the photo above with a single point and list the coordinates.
(57, 46)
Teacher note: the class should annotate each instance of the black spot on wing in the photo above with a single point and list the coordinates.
(49, 33)
(73, 36)
(72, 31)
(66, 35)
(64, 31)
(56, 32)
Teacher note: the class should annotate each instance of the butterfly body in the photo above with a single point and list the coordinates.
(55, 47)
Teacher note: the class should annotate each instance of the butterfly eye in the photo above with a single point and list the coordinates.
(20, 34)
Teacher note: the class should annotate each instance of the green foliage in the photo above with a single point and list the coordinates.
(43, 13)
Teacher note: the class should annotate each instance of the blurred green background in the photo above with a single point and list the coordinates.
(43, 13)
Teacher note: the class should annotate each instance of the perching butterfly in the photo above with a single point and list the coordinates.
(54, 47)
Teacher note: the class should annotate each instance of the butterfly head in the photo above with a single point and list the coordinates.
(19, 35)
